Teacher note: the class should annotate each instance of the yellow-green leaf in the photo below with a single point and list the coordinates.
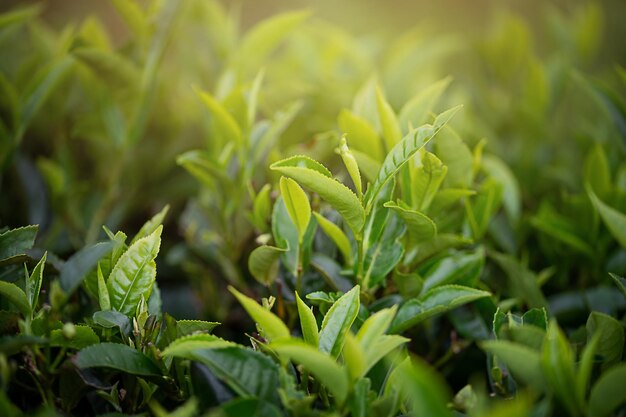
(337, 235)
(263, 263)
(313, 176)
(273, 327)
(308, 324)
(297, 204)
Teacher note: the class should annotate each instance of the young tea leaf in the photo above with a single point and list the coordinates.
(351, 165)
(308, 324)
(134, 274)
(337, 235)
(338, 320)
(16, 296)
(404, 150)
(322, 366)
(297, 204)
(263, 263)
(33, 286)
(341, 198)
(273, 327)
(116, 356)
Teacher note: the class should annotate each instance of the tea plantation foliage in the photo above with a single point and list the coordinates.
(420, 224)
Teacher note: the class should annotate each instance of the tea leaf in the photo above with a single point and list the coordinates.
(16, 296)
(15, 242)
(337, 322)
(151, 225)
(417, 110)
(337, 235)
(134, 274)
(263, 263)
(273, 327)
(110, 319)
(404, 150)
(522, 361)
(362, 135)
(375, 326)
(226, 126)
(103, 292)
(351, 165)
(308, 324)
(421, 228)
(297, 204)
(611, 337)
(422, 388)
(116, 356)
(247, 372)
(85, 336)
(312, 175)
(608, 393)
(436, 301)
(185, 345)
(426, 181)
(613, 219)
(33, 285)
(620, 282)
(388, 122)
(188, 327)
(381, 347)
(322, 366)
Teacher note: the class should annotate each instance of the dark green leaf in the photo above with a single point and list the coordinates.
(76, 268)
(116, 356)
(15, 242)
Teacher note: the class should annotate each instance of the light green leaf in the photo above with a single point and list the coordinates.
(322, 366)
(427, 179)
(134, 274)
(116, 356)
(484, 206)
(353, 357)
(337, 235)
(613, 219)
(151, 225)
(262, 208)
(308, 324)
(313, 176)
(297, 204)
(263, 263)
(457, 156)
(380, 348)
(362, 135)
(225, 124)
(188, 327)
(608, 393)
(103, 292)
(404, 150)
(421, 228)
(185, 345)
(265, 37)
(375, 326)
(523, 362)
(338, 320)
(273, 327)
(417, 110)
(201, 165)
(351, 166)
(33, 286)
(388, 121)
(423, 388)
(466, 266)
(511, 193)
(436, 301)
(85, 336)
(16, 296)
(133, 16)
(611, 334)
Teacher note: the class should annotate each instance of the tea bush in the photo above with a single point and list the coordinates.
(424, 223)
